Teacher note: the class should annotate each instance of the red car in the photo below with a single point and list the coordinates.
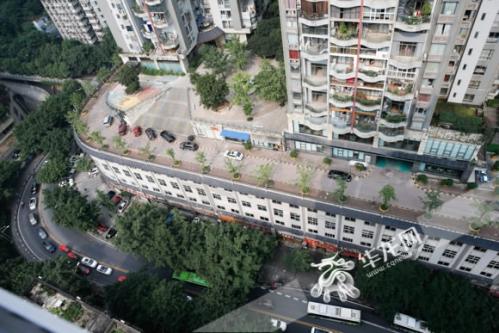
(101, 228)
(72, 256)
(122, 278)
(82, 270)
(116, 199)
(64, 248)
(122, 130)
(137, 131)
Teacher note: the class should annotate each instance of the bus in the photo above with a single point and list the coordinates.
(335, 312)
(190, 278)
(410, 323)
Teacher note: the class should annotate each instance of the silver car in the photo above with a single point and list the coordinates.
(42, 233)
(104, 270)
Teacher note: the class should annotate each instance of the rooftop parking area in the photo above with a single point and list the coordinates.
(362, 191)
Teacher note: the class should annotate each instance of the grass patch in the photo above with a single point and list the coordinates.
(458, 117)
(159, 72)
(72, 313)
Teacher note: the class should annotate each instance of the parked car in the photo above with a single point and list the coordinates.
(108, 121)
(32, 219)
(481, 176)
(104, 270)
(278, 324)
(111, 233)
(191, 137)
(111, 194)
(151, 134)
(89, 262)
(116, 199)
(137, 131)
(93, 172)
(101, 228)
(49, 246)
(122, 206)
(42, 233)
(169, 137)
(82, 270)
(318, 330)
(189, 145)
(234, 154)
(336, 174)
(16, 154)
(123, 129)
(32, 203)
(122, 278)
(34, 188)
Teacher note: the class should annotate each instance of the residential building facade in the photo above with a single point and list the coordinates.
(364, 77)
(76, 19)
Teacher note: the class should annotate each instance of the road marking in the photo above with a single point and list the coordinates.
(287, 296)
(279, 293)
(379, 326)
(304, 301)
(271, 291)
(296, 298)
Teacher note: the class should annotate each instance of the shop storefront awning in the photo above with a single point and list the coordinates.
(234, 135)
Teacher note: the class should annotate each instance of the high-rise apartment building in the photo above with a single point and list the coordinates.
(161, 33)
(76, 19)
(364, 77)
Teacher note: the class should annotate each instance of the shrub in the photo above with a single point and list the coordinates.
(326, 160)
(471, 186)
(447, 182)
(493, 148)
(496, 166)
(248, 145)
(360, 167)
(422, 179)
(293, 153)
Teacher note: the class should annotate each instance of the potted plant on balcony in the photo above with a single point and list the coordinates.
(426, 9)
(387, 193)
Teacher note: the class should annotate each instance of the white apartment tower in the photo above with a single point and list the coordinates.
(364, 76)
(76, 19)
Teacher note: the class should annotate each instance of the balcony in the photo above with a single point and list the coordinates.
(153, 2)
(148, 34)
(316, 107)
(393, 120)
(365, 129)
(315, 51)
(317, 124)
(376, 39)
(368, 75)
(341, 100)
(406, 61)
(379, 4)
(139, 12)
(341, 126)
(344, 34)
(399, 92)
(313, 10)
(169, 40)
(367, 102)
(413, 23)
(391, 134)
(160, 23)
(342, 71)
(316, 81)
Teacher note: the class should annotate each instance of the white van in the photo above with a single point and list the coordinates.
(32, 219)
(108, 121)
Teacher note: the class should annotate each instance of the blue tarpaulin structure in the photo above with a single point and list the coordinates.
(234, 135)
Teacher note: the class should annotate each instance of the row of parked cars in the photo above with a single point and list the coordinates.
(86, 264)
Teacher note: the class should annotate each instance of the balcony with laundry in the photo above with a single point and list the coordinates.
(414, 15)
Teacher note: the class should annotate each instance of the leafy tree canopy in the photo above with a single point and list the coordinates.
(266, 41)
(211, 89)
(270, 83)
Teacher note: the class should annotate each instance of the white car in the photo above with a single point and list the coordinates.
(234, 154)
(104, 270)
(32, 203)
(88, 262)
(32, 219)
(63, 183)
(122, 205)
(278, 324)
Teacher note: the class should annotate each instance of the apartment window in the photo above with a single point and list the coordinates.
(279, 222)
(348, 229)
(479, 249)
(330, 225)
(161, 182)
(464, 67)
(262, 208)
(480, 70)
(423, 258)
(449, 254)
(193, 199)
(168, 193)
(201, 191)
(444, 91)
(493, 264)
(276, 202)
(386, 238)
(221, 207)
(390, 228)
(447, 78)
(428, 248)
(468, 98)
(349, 219)
(175, 185)
(312, 210)
(278, 212)
(486, 54)
(455, 243)
(458, 82)
(464, 268)
(448, 8)
(205, 203)
(365, 244)
(470, 51)
(312, 231)
(483, 16)
(231, 200)
(443, 29)
(367, 234)
(246, 204)
(443, 263)
(294, 216)
(145, 186)
(296, 226)
(472, 259)
(234, 210)
(187, 188)
(312, 221)
(407, 49)
(474, 84)
(329, 235)
(346, 239)
(485, 274)
(263, 218)
(476, 34)
(368, 223)
(293, 206)
(217, 197)
(249, 215)
(331, 214)
(437, 49)
(180, 196)
(149, 179)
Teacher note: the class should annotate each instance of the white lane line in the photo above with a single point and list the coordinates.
(304, 301)
(296, 298)
(287, 296)
(279, 293)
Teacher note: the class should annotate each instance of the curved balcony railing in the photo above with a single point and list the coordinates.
(316, 108)
(377, 4)
(391, 134)
(153, 2)
(340, 126)
(413, 23)
(341, 101)
(365, 130)
(316, 81)
(393, 121)
(371, 76)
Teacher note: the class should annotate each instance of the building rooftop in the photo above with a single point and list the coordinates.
(171, 108)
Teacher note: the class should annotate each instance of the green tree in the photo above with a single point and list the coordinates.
(129, 77)
(84, 164)
(148, 46)
(304, 179)
(201, 159)
(104, 201)
(9, 171)
(214, 59)
(264, 175)
(483, 215)
(233, 168)
(339, 192)
(237, 53)
(96, 137)
(54, 170)
(387, 193)
(266, 40)
(71, 209)
(241, 86)
(119, 143)
(146, 152)
(211, 89)
(171, 153)
(298, 260)
(431, 201)
(270, 83)
(79, 125)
